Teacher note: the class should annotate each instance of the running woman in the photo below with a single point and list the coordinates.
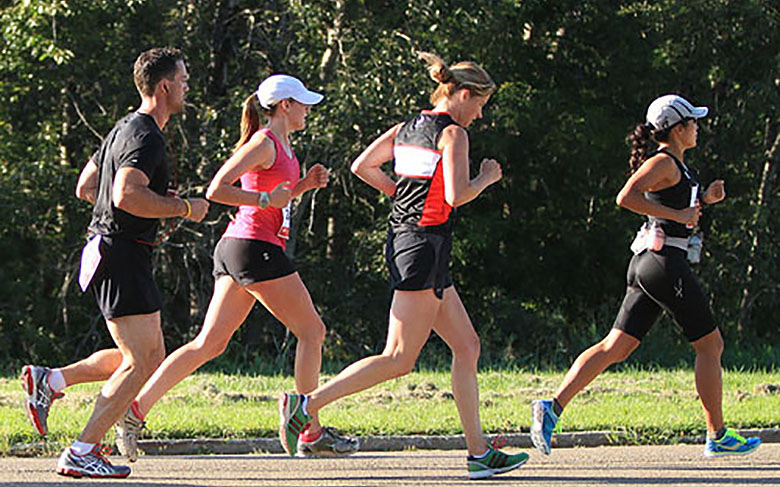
(663, 188)
(431, 161)
(249, 261)
(129, 179)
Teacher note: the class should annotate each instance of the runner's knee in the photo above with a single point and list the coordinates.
(313, 333)
(468, 351)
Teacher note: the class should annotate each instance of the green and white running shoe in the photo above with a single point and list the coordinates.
(328, 444)
(292, 420)
(494, 462)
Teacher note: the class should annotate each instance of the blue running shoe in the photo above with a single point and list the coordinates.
(731, 444)
(543, 421)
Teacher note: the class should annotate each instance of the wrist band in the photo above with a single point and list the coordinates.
(263, 200)
(189, 209)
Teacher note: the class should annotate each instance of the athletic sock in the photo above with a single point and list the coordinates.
(479, 457)
(57, 380)
(304, 403)
(81, 448)
(136, 409)
(718, 435)
(557, 408)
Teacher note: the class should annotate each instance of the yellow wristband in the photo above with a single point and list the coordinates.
(189, 209)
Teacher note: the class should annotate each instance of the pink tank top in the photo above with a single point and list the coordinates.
(271, 224)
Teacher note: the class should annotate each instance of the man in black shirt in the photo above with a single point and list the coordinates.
(127, 180)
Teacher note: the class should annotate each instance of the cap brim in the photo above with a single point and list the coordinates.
(308, 98)
(699, 112)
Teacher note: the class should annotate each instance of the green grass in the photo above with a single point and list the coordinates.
(657, 405)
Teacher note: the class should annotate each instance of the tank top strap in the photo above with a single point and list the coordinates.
(680, 165)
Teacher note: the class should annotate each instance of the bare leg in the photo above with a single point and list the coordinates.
(615, 347)
(228, 309)
(412, 315)
(709, 382)
(289, 301)
(97, 367)
(454, 327)
(139, 339)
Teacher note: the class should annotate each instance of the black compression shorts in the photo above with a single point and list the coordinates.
(248, 261)
(419, 260)
(663, 281)
(124, 284)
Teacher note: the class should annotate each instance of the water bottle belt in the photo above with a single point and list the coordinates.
(678, 242)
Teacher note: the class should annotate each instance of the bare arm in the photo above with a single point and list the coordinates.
(657, 173)
(258, 153)
(368, 164)
(458, 189)
(131, 193)
(316, 177)
(86, 187)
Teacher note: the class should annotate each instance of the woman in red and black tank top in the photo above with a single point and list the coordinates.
(430, 154)
(249, 260)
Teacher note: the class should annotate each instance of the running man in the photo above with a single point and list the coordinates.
(431, 154)
(128, 182)
(663, 188)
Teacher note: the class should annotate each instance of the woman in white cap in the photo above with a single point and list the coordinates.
(249, 260)
(430, 154)
(663, 188)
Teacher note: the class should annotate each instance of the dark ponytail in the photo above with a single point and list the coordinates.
(640, 139)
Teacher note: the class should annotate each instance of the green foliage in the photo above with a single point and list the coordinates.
(539, 259)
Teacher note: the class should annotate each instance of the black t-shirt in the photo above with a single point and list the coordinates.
(135, 141)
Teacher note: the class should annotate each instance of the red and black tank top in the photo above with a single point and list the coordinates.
(419, 198)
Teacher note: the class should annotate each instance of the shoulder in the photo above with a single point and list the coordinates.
(261, 147)
(661, 162)
(453, 134)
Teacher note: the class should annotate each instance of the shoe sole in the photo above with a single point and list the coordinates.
(537, 425)
(730, 453)
(495, 471)
(28, 384)
(69, 472)
(283, 420)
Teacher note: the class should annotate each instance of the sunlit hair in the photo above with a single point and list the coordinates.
(463, 75)
(153, 65)
(250, 118)
(643, 140)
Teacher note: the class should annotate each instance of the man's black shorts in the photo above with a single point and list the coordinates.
(124, 284)
(248, 261)
(419, 260)
(663, 281)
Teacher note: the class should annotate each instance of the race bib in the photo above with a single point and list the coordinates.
(284, 230)
(90, 260)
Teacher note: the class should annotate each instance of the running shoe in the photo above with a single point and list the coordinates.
(731, 444)
(494, 462)
(128, 432)
(328, 444)
(543, 421)
(38, 396)
(94, 464)
(292, 421)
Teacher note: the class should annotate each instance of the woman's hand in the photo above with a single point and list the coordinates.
(317, 177)
(716, 192)
(689, 216)
(281, 195)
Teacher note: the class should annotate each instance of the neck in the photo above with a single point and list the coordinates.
(281, 129)
(150, 106)
(676, 149)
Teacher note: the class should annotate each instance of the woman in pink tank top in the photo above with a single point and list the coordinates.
(249, 260)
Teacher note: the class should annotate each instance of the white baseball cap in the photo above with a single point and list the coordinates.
(280, 87)
(668, 110)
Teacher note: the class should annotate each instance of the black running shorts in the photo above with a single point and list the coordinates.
(124, 284)
(663, 281)
(419, 260)
(248, 261)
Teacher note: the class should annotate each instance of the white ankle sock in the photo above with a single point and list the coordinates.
(81, 448)
(304, 403)
(57, 380)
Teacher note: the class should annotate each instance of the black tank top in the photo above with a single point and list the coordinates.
(677, 197)
(419, 198)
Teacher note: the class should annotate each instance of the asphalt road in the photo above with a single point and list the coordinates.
(680, 465)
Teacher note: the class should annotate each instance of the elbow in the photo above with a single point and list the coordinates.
(355, 168)
(210, 192)
(81, 193)
(620, 199)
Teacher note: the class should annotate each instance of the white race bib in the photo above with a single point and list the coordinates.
(90, 260)
(284, 230)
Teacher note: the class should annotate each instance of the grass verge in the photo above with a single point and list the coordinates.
(655, 405)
